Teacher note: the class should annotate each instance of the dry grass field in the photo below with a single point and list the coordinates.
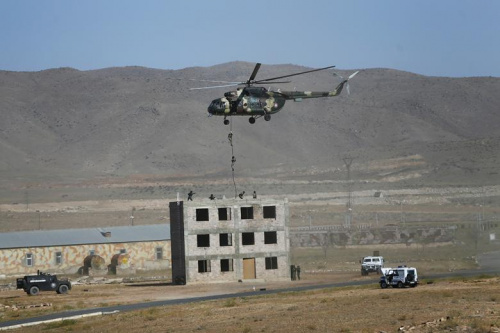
(458, 305)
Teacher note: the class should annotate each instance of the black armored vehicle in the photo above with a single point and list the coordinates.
(33, 284)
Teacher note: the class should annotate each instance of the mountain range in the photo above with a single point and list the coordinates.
(65, 125)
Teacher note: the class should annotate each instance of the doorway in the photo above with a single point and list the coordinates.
(249, 268)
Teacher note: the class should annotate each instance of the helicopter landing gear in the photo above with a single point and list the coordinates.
(226, 121)
(267, 117)
(251, 120)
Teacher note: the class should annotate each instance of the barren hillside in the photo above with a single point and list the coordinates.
(65, 125)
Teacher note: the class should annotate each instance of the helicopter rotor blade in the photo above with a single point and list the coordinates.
(352, 75)
(251, 81)
(254, 73)
(347, 83)
(214, 81)
(274, 82)
(289, 75)
(213, 87)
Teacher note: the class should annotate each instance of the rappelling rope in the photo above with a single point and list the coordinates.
(233, 159)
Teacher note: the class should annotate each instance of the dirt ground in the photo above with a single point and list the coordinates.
(470, 305)
(464, 305)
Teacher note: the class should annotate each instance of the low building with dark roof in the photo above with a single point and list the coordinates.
(144, 247)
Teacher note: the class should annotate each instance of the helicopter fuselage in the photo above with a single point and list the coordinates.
(247, 102)
(258, 101)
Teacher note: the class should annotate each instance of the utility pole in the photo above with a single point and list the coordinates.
(402, 217)
(27, 200)
(348, 217)
(39, 223)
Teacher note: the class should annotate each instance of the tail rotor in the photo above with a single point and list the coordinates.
(347, 81)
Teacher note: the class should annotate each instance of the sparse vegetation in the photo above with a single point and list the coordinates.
(59, 324)
(229, 303)
(336, 309)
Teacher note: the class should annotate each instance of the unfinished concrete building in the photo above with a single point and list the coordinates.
(230, 240)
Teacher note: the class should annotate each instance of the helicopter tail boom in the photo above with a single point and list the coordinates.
(299, 95)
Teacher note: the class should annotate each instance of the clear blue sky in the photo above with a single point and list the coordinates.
(431, 37)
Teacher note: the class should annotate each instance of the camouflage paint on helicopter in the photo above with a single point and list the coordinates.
(258, 101)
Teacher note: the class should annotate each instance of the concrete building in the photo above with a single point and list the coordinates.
(230, 240)
(145, 247)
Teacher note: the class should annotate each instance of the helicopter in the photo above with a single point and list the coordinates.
(257, 102)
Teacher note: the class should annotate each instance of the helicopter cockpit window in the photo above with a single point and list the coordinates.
(217, 105)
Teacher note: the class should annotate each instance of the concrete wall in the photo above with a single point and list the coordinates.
(324, 236)
(235, 226)
(142, 256)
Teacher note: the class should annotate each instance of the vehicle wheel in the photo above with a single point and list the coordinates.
(364, 272)
(34, 291)
(63, 289)
(383, 285)
(251, 120)
(400, 284)
(267, 117)
(226, 122)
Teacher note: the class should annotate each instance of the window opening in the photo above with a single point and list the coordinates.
(58, 258)
(247, 238)
(225, 239)
(224, 214)
(202, 214)
(29, 259)
(159, 253)
(204, 266)
(269, 212)
(226, 265)
(270, 237)
(203, 240)
(271, 262)
(246, 213)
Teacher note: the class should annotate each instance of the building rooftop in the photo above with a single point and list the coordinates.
(247, 200)
(62, 237)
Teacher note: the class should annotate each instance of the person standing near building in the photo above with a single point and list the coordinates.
(190, 195)
(298, 272)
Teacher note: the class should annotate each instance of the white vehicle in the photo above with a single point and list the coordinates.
(372, 264)
(399, 277)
